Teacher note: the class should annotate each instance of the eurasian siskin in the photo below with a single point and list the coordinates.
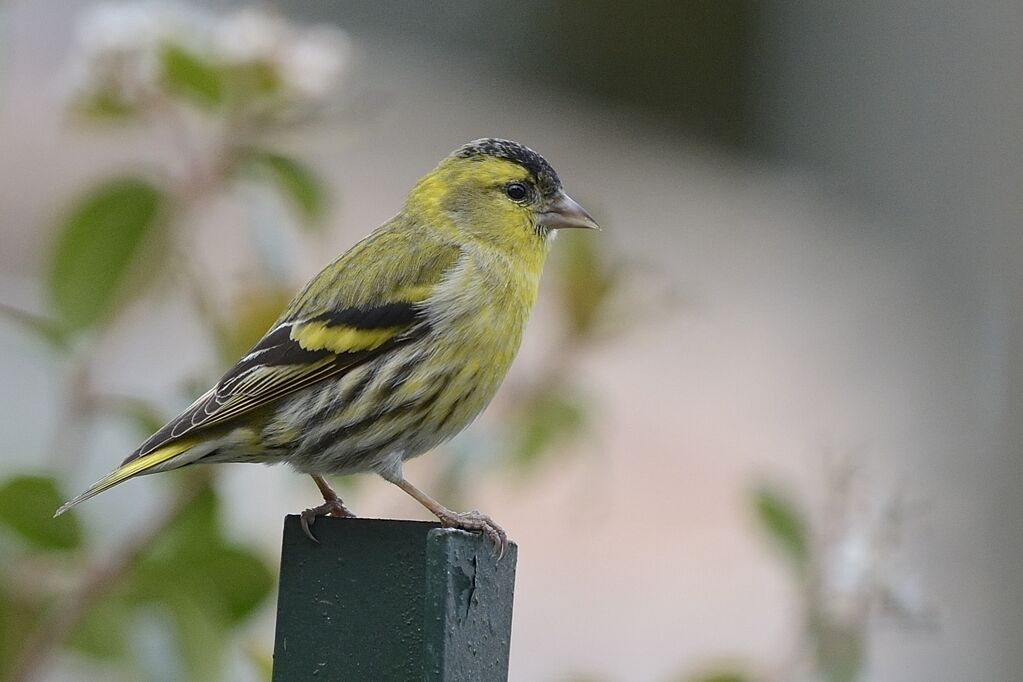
(394, 347)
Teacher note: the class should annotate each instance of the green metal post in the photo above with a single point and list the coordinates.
(392, 601)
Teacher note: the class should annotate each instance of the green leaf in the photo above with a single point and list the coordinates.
(839, 650)
(97, 245)
(586, 282)
(193, 556)
(194, 533)
(27, 504)
(191, 76)
(551, 417)
(240, 579)
(101, 633)
(250, 82)
(721, 677)
(785, 524)
(106, 106)
(42, 327)
(727, 670)
(201, 638)
(204, 584)
(298, 183)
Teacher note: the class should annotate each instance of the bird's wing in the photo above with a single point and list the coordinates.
(291, 357)
(299, 352)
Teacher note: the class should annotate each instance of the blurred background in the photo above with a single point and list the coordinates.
(767, 425)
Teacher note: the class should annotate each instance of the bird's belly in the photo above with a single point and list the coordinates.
(394, 408)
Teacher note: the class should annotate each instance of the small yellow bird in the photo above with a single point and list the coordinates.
(394, 347)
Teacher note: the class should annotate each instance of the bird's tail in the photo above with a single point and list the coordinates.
(134, 467)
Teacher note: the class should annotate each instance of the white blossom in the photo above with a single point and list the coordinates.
(312, 63)
(849, 565)
(249, 36)
(122, 28)
(859, 577)
(117, 28)
(119, 47)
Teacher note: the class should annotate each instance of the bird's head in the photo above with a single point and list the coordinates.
(499, 192)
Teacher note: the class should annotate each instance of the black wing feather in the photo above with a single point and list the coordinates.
(277, 365)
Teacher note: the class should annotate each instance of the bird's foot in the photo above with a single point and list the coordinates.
(334, 507)
(476, 521)
(471, 521)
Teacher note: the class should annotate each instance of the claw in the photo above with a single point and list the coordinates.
(476, 521)
(329, 508)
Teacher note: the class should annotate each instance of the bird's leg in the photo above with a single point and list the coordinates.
(471, 521)
(332, 506)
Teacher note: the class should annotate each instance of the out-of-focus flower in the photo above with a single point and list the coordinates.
(307, 62)
(848, 575)
(312, 64)
(857, 576)
(121, 28)
(844, 557)
(116, 59)
(249, 35)
(127, 54)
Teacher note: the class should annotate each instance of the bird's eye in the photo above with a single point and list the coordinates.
(516, 191)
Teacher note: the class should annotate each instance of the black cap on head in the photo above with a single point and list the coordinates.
(546, 179)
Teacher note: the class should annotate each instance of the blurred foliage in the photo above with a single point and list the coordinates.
(43, 328)
(253, 311)
(190, 76)
(838, 648)
(722, 676)
(298, 183)
(206, 584)
(97, 244)
(587, 284)
(552, 418)
(785, 525)
(839, 561)
(26, 508)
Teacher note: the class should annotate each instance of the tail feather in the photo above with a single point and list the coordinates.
(129, 469)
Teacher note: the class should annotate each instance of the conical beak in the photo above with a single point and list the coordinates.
(563, 212)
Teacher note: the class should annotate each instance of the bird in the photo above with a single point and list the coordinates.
(395, 346)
